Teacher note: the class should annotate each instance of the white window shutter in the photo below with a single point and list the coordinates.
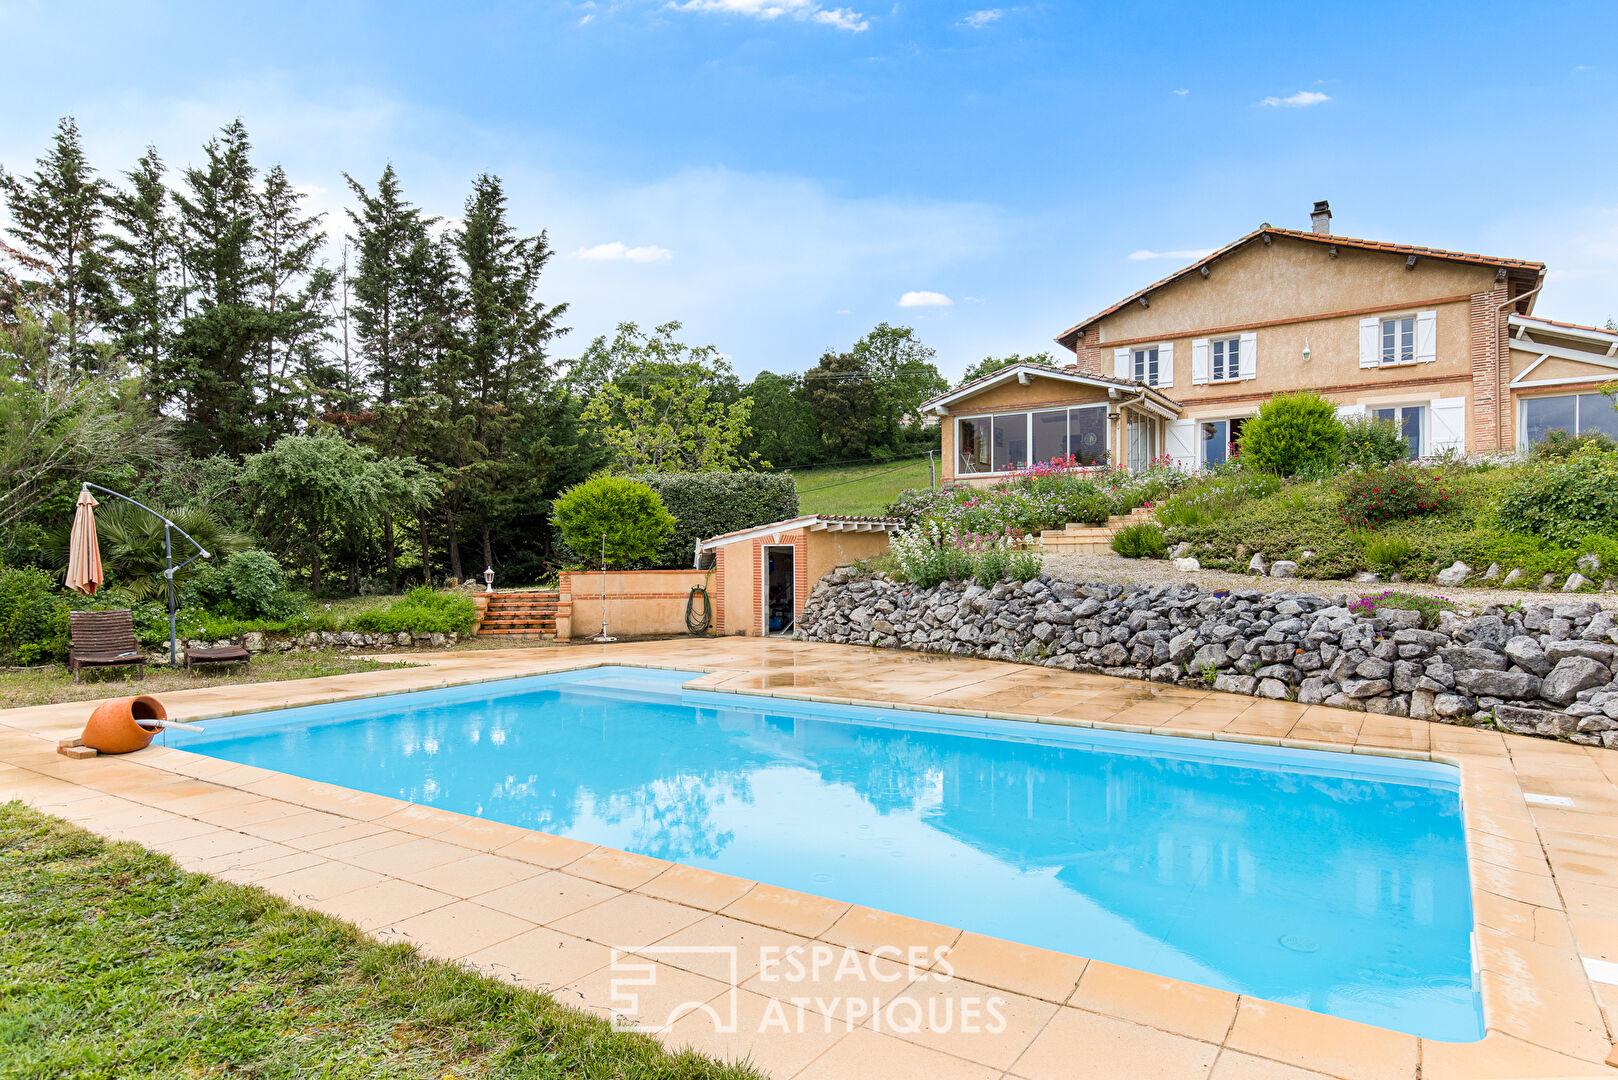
(1199, 361)
(1448, 425)
(1165, 364)
(1249, 356)
(1180, 442)
(1371, 342)
(1349, 412)
(1120, 364)
(1426, 336)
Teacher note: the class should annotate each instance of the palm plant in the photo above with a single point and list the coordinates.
(132, 547)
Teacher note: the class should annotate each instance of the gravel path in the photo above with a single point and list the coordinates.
(1110, 567)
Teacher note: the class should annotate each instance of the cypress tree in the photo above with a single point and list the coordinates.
(56, 217)
(387, 232)
(212, 375)
(142, 254)
(294, 293)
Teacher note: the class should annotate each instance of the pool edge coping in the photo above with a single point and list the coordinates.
(1476, 789)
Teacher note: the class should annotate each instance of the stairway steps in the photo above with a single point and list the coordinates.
(529, 613)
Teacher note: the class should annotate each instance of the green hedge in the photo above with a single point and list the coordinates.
(708, 504)
(33, 617)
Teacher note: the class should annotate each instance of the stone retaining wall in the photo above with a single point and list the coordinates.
(315, 641)
(1538, 670)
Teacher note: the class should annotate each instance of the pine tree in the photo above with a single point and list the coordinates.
(142, 255)
(211, 374)
(56, 218)
(295, 295)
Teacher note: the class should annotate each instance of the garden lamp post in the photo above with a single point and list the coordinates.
(169, 528)
(488, 579)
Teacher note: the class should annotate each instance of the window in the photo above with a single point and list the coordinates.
(1219, 439)
(1399, 340)
(1146, 365)
(1575, 414)
(1410, 420)
(972, 435)
(1006, 442)
(1225, 358)
(1010, 442)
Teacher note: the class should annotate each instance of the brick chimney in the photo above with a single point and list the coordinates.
(1320, 218)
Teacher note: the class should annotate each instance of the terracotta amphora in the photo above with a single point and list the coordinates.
(124, 725)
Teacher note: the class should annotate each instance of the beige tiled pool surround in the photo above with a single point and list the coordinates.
(547, 912)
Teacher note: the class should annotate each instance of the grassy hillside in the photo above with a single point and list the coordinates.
(856, 489)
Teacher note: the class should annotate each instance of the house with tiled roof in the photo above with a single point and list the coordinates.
(1443, 343)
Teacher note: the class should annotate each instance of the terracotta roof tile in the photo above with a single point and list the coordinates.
(1069, 336)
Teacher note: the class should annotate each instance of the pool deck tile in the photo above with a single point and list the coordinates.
(456, 930)
(1327, 1044)
(955, 1017)
(545, 911)
(697, 888)
(1081, 1045)
(862, 1054)
(1180, 1007)
(794, 912)
(1006, 965)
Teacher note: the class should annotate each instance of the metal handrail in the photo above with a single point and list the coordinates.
(168, 557)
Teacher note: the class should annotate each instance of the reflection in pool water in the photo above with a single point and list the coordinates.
(1334, 882)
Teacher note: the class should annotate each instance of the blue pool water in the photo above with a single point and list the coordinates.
(1333, 882)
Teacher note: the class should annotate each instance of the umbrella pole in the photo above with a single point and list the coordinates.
(168, 556)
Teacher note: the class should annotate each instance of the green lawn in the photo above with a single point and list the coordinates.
(856, 489)
(50, 683)
(118, 964)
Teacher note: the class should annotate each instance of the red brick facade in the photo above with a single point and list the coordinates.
(1088, 355)
(1490, 395)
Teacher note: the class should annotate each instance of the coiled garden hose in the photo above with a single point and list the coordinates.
(698, 624)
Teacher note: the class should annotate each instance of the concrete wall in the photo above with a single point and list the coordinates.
(638, 601)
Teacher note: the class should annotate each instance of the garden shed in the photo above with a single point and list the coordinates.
(762, 576)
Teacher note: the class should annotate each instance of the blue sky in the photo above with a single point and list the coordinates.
(780, 174)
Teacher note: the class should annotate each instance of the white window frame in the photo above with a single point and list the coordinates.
(1202, 443)
(1028, 421)
(1213, 371)
(1146, 364)
(1578, 413)
(1381, 337)
(1399, 420)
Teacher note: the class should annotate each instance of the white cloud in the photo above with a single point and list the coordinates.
(977, 20)
(1181, 93)
(801, 10)
(621, 252)
(1302, 99)
(924, 299)
(1183, 254)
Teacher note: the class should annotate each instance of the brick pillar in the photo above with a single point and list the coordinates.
(718, 597)
(1492, 426)
(1089, 357)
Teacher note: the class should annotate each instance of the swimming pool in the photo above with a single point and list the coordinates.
(1329, 881)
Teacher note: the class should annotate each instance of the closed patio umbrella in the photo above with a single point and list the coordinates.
(84, 553)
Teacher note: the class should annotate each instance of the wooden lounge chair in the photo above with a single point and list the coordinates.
(225, 654)
(103, 639)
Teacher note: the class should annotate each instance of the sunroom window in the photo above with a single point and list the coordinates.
(1576, 414)
(1005, 442)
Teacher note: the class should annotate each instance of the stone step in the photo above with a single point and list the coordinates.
(517, 633)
